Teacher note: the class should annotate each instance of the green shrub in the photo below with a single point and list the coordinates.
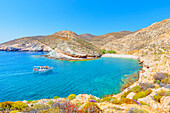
(40, 107)
(157, 98)
(50, 102)
(99, 100)
(56, 97)
(79, 104)
(19, 106)
(91, 107)
(110, 99)
(29, 101)
(71, 97)
(103, 51)
(1, 109)
(143, 103)
(15, 111)
(6, 105)
(167, 93)
(114, 101)
(155, 81)
(158, 81)
(136, 89)
(142, 94)
(126, 101)
(111, 51)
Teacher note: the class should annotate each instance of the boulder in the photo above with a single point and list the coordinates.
(162, 84)
(167, 86)
(159, 76)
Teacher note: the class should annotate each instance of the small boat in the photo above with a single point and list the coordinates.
(42, 68)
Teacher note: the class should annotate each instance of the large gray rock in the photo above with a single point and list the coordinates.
(167, 86)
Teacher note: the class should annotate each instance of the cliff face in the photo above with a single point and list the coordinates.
(153, 39)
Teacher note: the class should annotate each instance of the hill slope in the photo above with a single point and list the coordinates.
(68, 45)
(25, 44)
(154, 39)
(87, 36)
(100, 41)
(63, 45)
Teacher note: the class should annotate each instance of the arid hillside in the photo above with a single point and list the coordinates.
(70, 44)
(151, 40)
(25, 44)
(87, 36)
(100, 41)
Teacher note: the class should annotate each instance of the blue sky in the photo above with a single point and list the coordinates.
(20, 18)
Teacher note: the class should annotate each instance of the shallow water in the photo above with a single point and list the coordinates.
(97, 77)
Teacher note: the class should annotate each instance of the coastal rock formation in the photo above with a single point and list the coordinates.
(68, 45)
(25, 44)
(65, 45)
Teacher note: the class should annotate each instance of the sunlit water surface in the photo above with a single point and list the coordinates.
(97, 77)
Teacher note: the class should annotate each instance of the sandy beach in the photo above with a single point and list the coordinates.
(119, 56)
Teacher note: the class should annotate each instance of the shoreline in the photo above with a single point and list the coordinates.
(120, 56)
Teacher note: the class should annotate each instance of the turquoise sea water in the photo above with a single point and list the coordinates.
(97, 77)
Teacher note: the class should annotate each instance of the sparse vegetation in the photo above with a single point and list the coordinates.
(136, 89)
(91, 107)
(56, 97)
(71, 97)
(127, 101)
(160, 94)
(103, 51)
(142, 94)
(110, 99)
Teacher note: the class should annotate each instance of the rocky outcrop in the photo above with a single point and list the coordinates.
(25, 44)
(68, 45)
